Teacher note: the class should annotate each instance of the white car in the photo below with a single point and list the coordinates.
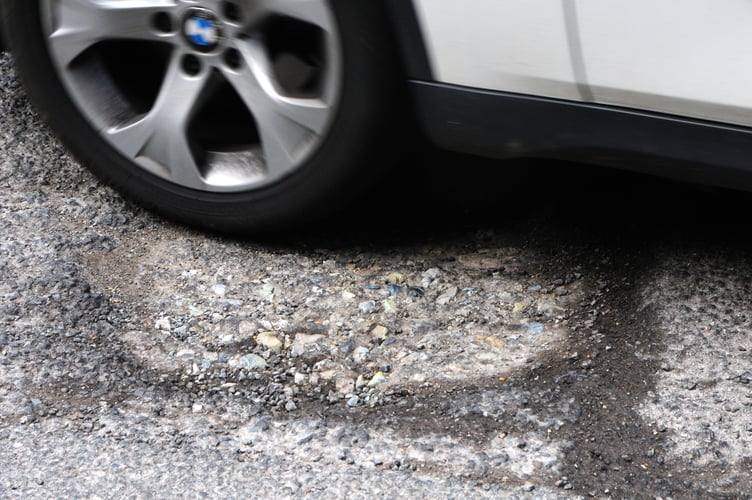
(251, 115)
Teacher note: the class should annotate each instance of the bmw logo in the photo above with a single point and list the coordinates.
(201, 30)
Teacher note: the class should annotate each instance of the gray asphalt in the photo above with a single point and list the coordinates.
(530, 330)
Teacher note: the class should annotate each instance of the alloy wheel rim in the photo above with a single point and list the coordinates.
(212, 95)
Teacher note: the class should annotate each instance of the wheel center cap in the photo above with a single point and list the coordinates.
(202, 30)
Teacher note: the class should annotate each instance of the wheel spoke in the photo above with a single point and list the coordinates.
(311, 11)
(79, 24)
(284, 123)
(162, 134)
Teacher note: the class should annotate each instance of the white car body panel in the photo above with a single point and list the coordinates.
(683, 57)
(512, 45)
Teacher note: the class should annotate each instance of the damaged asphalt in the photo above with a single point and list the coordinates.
(468, 328)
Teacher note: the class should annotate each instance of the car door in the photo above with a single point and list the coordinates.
(520, 46)
(681, 57)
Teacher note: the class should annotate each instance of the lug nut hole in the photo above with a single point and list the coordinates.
(191, 65)
(162, 22)
(232, 58)
(231, 11)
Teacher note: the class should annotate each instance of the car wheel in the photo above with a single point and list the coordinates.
(231, 115)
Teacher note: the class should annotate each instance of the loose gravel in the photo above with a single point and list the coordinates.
(537, 343)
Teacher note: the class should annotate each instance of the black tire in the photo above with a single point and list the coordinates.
(358, 146)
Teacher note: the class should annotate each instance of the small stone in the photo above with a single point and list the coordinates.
(353, 401)
(219, 289)
(246, 328)
(269, 340)
(360, 382)
(163, 324)
(519, 307)
(379, 332)
(253, 362)
(389, 306)
(528, 487)
(368, 307)
(360, 354)
(431, 274)
(299, 378)
(348, 296)
(197, 408)
(291, 406)
(347, 346)
(551, 310)
(302, 343)
(395, 278)
(447, 296)
(534, 327)
(497, 343)
(344, 385)
(306, 439)
(266, 292)
(378, 378)
(689, 385)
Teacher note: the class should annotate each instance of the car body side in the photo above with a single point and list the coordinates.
(535, 78)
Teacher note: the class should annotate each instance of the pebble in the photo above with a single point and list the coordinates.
(378, 378)
(344, 385)
(291, 406)
(360, 354)
(267, 292)
(269, 340)
(353, 401)
(219, 289)
(495, 342)
(302, 342)
(163, 324)
(389, 306)
(395, 278)
(253, 362)
(379, 332)
(431, 274)
(447, 296)
(551, 310)
(368, 307)
(534, 327)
